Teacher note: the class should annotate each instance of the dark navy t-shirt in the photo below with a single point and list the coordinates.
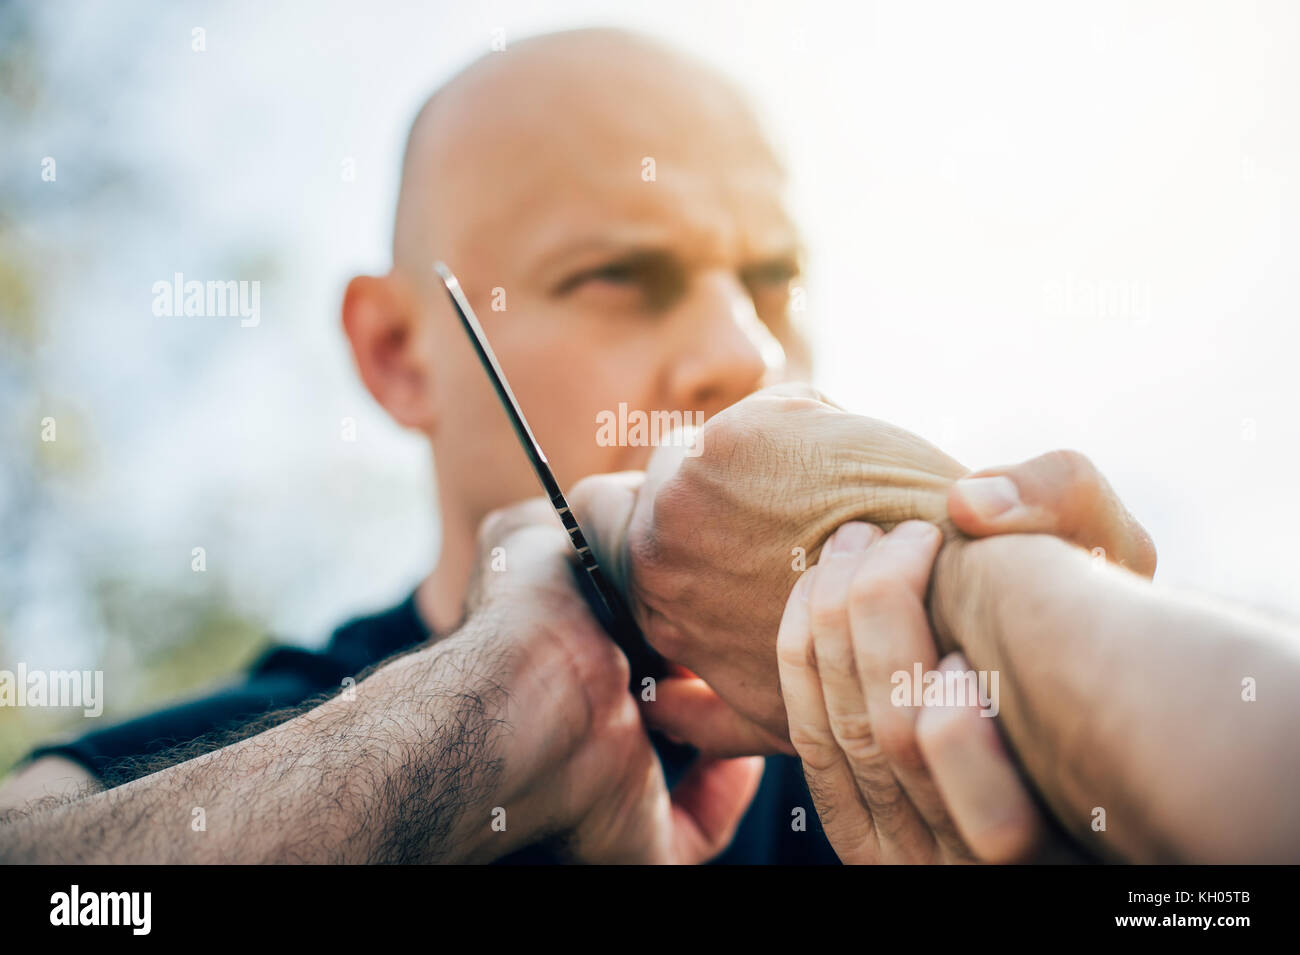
(772, 831)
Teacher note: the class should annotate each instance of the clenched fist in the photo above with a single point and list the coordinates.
(708, 547)
(709, 542)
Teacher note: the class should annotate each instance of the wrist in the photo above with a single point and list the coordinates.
(492, 712)
(435, 750)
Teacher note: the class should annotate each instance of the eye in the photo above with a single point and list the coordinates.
(769, 284)
(616, 273)
(620, 274)
(770, 274)
(650, 281)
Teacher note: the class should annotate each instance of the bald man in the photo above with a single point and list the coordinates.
(526, 173)
(615, 215)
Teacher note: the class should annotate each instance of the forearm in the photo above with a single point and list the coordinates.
(400, 772)
(1119, 695)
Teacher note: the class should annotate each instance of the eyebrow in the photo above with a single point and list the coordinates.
(646, 260)
(620, 243)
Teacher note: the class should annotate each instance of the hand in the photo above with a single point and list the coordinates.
(892, 783)
(579, 767)
(707, 547)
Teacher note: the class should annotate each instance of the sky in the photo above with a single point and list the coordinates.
(1029, 229)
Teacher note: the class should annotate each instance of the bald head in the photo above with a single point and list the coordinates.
(562, 118)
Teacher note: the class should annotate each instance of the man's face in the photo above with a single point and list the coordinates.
(623, 241)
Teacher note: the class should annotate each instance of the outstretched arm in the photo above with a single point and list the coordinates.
(399, 773)
(517, 729)
(1173, 715)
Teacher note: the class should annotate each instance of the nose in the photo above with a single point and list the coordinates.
(724, 350)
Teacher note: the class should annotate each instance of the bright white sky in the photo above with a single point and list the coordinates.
(968, 175)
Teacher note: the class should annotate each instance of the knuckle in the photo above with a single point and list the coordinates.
(817, 754)
(794, 647)
(1068, 461)
(888, 804)
(829, 615)
(897, 739)
(875, 588)
(1081, 483)
(856, 736)
(878, 659)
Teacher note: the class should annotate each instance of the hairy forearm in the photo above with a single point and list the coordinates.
(399, 772)
(1121, 696)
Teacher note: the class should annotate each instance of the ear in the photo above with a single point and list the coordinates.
(389, 336)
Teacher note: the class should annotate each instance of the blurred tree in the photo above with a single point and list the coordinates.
(155, 639)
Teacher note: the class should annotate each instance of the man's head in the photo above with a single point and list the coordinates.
(615, 216)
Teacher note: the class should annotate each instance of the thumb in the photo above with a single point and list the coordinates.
(1060, 493)
(708, 804)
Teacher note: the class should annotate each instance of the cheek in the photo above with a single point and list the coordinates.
(567, 369)
(583, 404)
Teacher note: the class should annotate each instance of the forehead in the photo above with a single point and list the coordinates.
(533, 161)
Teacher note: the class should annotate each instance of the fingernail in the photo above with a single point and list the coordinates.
(989, 497)
(851, 539)
(801, 586)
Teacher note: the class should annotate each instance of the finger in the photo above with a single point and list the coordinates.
(989, 802)
(891, 635)
(845, 820)
(690, 711)
(708, 804)
(1060, 493)
(832, 643)
(529, 536)
(603, 505)
(899, 828)
(504, 521)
